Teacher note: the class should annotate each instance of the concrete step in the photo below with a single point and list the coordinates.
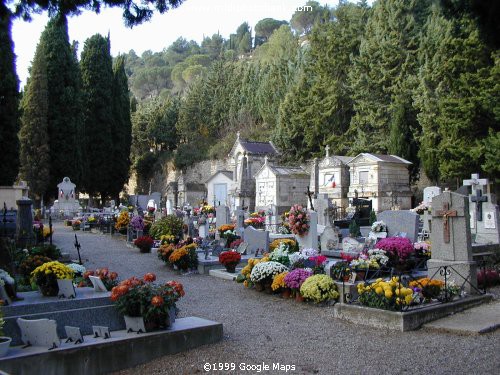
(223, 274)
(477, 320)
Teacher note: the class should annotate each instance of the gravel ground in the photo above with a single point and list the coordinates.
(265, 329)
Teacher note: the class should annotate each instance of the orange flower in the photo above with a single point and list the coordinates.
(157, 301)
(149, 277)
(113, 275)
(118, 291)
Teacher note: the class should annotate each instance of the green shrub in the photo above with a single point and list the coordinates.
(49, 251)
(169, 225)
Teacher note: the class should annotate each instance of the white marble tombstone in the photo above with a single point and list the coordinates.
(66, 198)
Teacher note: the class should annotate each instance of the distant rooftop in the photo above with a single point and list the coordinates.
(258, 147)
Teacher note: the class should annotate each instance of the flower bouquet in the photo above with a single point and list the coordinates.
(207, 209)
(430, 288)
(387, 295)
(230, 260)
(144, 243)
(184, 257)
(76, 224)
(294, 279)
(291, 245)
(29, 264)
(164, 252)
(122, 222)
(298, 219)
(227, 231)
(137, 223)
(46, 275)
(109, 279)
(154, 303)
(319, 288)
(399, 250)
(264, 272)
(280, 285)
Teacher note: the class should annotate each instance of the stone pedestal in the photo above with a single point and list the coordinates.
(24, 223)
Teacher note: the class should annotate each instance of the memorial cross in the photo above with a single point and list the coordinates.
(479, 198)
(446, 213)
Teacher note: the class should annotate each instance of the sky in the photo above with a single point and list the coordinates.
(193, 20)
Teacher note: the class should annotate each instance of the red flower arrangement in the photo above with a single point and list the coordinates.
(346, 257)
(144, 243)
(229, 258)
(298, 219)
(236, 243)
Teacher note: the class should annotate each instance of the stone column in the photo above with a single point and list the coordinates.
(24, 223)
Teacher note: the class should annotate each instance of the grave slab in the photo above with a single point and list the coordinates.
(122, 350)
(223, 274)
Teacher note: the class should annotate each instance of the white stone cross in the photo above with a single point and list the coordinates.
(476, 182)
(327, 149)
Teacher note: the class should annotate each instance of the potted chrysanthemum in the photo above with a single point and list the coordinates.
(147, 305)
(230, 260)
(46, 275)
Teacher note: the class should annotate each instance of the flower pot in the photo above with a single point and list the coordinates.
(145, 249)
(259, 287)
(299, 298)
(268, 289)
(286, 293)
(4, 345)
(49, 289)
(231, 268)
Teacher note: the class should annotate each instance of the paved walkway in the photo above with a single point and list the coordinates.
(261, 328)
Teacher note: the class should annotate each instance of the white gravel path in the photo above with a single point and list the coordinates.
(265, 329)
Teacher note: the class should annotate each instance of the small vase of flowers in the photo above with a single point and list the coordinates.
(230, 260)
(144, 243)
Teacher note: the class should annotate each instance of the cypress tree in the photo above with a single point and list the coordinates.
(122, 131)
(97, 87)
(34, 137)
(64, 114)
(9, 102)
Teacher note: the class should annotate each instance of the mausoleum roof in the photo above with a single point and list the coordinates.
(228, 174)
(252, 147)
(381, 158)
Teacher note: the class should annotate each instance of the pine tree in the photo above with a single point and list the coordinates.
(97, 85)
(34, 137)
(9, 101)
(64, 105)
(122, 130)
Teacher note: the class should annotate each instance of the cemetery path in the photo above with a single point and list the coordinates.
(261, 328)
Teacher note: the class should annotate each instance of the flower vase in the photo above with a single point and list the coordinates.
(4, 345)
(231, 268)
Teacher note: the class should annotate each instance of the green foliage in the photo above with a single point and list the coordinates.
(307, 16)
(170, 225)
(144, 165)
(373, 217)
(354, 229)
(122, 129)
(64, 115)
(9, 101)
(49, 251)
(265, 28)
(33, 136)
(98, 82)
(187, 155)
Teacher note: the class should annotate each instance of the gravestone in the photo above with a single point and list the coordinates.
(240, 221)
(256, 239)
(351, 246)
(430, 192)
(24, 223)
(329, 240)
(484, 213)
(399, 222)
(204, 229)
(222, 215)
(322, 204)
(310, 240)
(451, 240)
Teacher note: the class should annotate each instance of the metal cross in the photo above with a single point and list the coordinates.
(446, 213)
(479, 198)
(309, 194)
(78, 246)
